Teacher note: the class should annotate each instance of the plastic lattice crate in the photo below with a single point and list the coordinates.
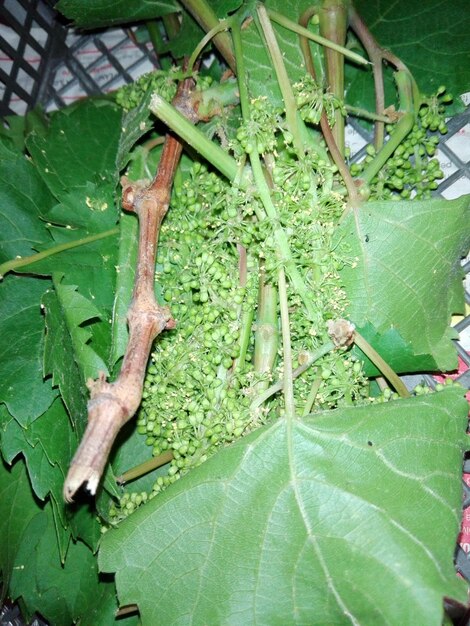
(42, 62)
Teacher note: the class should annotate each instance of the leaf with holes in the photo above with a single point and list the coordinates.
(22, 386)
(24, 201)
(314, 521)
(80, 146)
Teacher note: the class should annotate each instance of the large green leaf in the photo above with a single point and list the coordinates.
(16, 128)
(42, 446)
(326, 520)
(47, 447)
(431, 38)
(407, 282)
(76, 312)
(22, 386)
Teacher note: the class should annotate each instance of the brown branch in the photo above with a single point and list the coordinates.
(111, 405)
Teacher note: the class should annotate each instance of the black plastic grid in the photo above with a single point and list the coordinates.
(36, 49)
(24, 56)
(60, 65)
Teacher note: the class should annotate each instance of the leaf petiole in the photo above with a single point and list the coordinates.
(300, 30)
(311, 358)
(381, 365)
(288, 386)
(145, 468)
(14, 264)
(282, 78)
(218, 28)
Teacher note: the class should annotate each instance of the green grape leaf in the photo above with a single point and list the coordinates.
(42, 473)
(408, 279)
(80, 146)
(325, 520)
(24, 200)
(431, 38)
(85, 210)
(32, 566)
(47, 445)
(22, 386)
(16, 128)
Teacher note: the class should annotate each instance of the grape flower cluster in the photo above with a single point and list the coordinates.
(412, 171)
(218, 251)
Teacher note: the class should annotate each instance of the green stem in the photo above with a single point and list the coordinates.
(14, 264)
(311, 396)
(266, 333)
(172, 24)
(312, 357)
(401, 130)
(246, 324)
(247, 314)
(207, 19)
(218, 28)
(241, 72)
(367, 115)
(155, 36)
(333, 26)
(374, 52)
(292, 117)
(313, 66)
(300, 30)
(335, 153)
(288, 386)
(168, 114)
(262, 186)
(280, 235)
(381, 365)
(145, 468)
(408, 96)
